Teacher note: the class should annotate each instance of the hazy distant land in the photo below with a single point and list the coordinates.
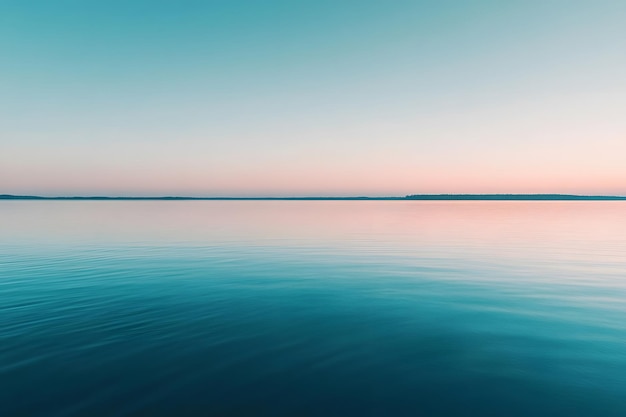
(432, 197)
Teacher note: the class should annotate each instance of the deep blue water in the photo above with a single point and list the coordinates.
(312, 308)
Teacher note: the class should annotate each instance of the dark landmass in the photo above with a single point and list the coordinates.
(31, 197)
(504, 197)
(422, 197)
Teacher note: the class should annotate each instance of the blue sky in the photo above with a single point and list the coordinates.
(312, 97)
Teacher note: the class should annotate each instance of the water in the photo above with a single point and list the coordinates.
(312, 308)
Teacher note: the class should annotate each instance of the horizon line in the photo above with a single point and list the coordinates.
(432, 197)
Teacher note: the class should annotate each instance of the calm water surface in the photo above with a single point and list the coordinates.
(312, 308)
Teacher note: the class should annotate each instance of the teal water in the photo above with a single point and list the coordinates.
(312, 308)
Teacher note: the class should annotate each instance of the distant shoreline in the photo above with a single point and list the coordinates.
(415, 197)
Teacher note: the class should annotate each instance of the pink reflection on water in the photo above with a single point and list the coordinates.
(497, 225)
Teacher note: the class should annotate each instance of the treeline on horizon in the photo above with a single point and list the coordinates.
(510, 197)
(484, 197)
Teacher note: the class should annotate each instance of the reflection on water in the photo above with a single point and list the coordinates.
(312, 308)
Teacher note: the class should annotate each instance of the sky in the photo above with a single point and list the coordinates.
(317, 97)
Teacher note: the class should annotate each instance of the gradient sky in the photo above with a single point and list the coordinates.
(319, 97)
